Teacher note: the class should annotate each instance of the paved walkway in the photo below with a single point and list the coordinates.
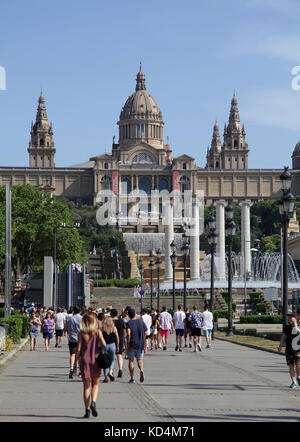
(225, 383)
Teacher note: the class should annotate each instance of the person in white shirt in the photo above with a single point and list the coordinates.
(59, 327)
(148, 321)
(207, 325)
(178, 320)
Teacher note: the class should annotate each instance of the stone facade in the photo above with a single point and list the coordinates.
(142, 160)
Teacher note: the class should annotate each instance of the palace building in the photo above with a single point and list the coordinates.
(142, 159)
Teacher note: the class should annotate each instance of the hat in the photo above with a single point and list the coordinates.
(292, 315)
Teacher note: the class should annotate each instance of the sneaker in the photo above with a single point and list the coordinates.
(142, 377)
(298, 379)
(165, 348)
(93, 409)
(71, 374)
(120, 373)
(112, 378)
(56, 345)
(185, 346)
(87, 414)
(293, 385)
(180, 349)
(199, 347)
(176, 348)
(132, 381)
(190, 345)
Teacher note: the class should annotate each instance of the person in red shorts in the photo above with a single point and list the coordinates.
(166, 323)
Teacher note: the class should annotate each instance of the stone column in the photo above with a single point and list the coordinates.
(220, 259)
(194, 244)
(169, 236)
(245, 237)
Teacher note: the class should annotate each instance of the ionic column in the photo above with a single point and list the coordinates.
(245, 237)
(194, 244)
(169, 236)
(220, 259)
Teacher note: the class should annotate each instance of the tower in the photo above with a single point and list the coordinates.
(41, 146)
(235, 148)
(213, 157)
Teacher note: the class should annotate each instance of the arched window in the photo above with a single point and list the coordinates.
(184, 166)
(142, 157)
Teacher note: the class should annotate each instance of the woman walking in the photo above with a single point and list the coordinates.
(90, 339)
(33, 325)
(111, 337)
(48, 329)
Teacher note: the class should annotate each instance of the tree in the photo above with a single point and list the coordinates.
(34, 216)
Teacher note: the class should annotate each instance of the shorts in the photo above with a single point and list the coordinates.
(196, 331)
(47, 335)
(164, 333)
(187, 331)
(207, 332)
(120, 349)
(293, 358)
(59, 332)
(34, 334)
(153, 331)
(72, 347)
(135, 354)
(179, 331)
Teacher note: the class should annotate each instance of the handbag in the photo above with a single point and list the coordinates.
(104, 359)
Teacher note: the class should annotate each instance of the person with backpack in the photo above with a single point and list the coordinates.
(136, 335)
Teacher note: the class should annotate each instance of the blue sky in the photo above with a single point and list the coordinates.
(85, 56)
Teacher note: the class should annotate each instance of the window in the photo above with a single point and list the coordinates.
(236, 143)
(184, 166)
(105, 165)
(163, 184)
(142, 157)
(145, 185)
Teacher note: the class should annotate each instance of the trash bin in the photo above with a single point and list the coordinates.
(3, 334)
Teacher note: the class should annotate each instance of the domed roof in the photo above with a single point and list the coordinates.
(141, 105)
(297, 148)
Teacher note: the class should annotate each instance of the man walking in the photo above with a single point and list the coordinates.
(59, 327)
(148, 321)
(72, 326)
(136, 335)
(166, 324)
(291, 338)
(207, 325)
(196, 325)
(120, 326)
(178, 320)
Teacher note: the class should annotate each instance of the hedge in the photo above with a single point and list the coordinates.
(123, 283)
(15, 327)
(261, 319)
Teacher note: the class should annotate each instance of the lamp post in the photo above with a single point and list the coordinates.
(61, 226)
(212, 240)
(151, 267)
(173, 258)
(141, 269)
(230, 232)
(185, 252)
(158, 267)
(286, 207)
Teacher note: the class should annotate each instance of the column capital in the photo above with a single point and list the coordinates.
(220, 203)
(246, 203)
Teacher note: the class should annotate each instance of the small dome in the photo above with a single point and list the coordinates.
(141, 105)
(297, 148)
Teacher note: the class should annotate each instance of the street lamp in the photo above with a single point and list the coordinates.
(173, 258)
(141, 269)
(185, 252)
(230, 232)
(286, 207)
(151, 267)
(158, 267)
(212, 240)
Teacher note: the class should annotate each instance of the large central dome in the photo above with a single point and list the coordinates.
(141, 118)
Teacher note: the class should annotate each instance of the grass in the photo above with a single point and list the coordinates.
(263, 343)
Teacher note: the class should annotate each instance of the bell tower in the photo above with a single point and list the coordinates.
(235, 148)
(41, 146)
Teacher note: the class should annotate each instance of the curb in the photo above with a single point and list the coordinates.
(14, 351)
(255, 347)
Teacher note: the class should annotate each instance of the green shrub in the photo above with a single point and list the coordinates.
(15, 327)
(123, 283)
(261, 319)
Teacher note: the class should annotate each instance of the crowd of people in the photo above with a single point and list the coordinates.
(119, 334)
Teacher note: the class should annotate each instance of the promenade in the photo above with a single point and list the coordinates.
(226, 383)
